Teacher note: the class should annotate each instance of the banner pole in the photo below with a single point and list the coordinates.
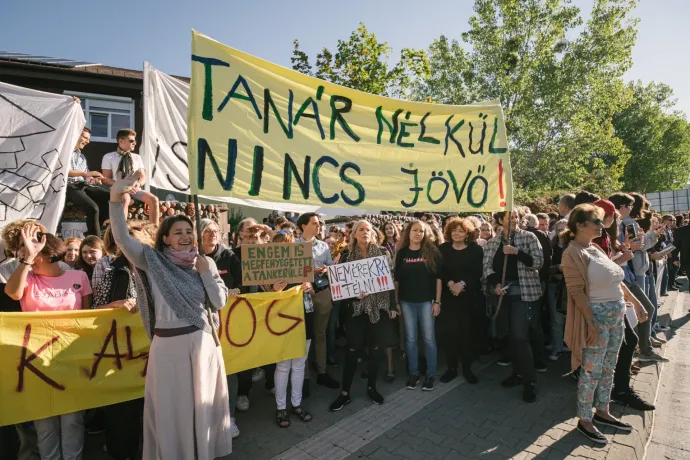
(209, 315)
(503, 275)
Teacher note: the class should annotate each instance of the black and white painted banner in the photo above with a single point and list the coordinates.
(360, 276)
(164, 145)
(38, 132)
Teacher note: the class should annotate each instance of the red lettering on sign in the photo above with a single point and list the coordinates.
(227, 322)
(281, 315)
(112, 335)
(25, 363)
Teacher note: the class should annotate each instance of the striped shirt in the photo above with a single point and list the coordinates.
(77, 162)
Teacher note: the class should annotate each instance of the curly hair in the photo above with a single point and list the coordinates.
(579, 215)
(465, 224)
(12, 233)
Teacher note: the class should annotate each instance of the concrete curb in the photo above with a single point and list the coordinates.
(626, 446)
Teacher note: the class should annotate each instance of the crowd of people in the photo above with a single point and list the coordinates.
(536, 287)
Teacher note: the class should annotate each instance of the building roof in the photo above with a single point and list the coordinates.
(72, 65)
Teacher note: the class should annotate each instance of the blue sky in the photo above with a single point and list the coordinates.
(126, 33)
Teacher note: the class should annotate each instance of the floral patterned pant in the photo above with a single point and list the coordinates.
(599, 363)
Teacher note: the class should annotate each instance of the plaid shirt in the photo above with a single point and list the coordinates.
(530, 286)
(77, 162)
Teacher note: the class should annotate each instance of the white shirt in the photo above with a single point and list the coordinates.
(604, 278)
(112, 161)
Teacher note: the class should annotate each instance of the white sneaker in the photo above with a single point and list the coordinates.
(258, 375)
(653, 357)
(554, 356)
(234, 429)
(242, 404)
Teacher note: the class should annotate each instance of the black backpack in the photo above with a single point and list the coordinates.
(117, 284)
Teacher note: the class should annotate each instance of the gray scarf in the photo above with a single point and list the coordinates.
(182, 289)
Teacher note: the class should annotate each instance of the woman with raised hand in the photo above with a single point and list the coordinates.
(186, 408)
(368, 319)
(418, 291)
(42, 285)
(594, 322)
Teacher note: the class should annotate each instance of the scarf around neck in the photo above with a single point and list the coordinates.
(184, 259)
(373, 303)
(181, 288)
(126, 166)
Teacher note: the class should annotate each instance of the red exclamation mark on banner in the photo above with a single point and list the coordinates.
(378, 280)
(339, 293)
(500, 184)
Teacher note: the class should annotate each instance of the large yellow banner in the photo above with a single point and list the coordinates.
(55, 363)
(258, 130)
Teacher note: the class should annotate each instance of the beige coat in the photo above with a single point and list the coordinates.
(574, 264)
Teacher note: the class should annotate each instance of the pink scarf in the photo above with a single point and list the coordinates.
(185, 259)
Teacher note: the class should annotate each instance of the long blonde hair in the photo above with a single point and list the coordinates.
(429, 251)
(353, 239)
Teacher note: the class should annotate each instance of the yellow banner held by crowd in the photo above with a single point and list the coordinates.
(56, 363)
(258, 130)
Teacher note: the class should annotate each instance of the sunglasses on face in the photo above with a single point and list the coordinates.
(132, 141)
(596, 221)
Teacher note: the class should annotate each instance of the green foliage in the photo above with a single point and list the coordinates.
(234, 219)
(658, 139)
(558, 94)
(362, 63)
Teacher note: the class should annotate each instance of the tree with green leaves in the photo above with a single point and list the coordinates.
(559, 94)
(658, 139)
(362, 63)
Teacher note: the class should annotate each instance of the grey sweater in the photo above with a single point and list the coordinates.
(177, 293)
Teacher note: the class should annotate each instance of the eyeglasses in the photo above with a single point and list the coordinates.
(212, 232)
(596, 221)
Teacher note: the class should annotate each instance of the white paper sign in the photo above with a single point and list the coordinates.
(367, 275)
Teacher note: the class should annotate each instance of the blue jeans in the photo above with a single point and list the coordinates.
(664, 280)
(641, 280)
(419, 314)
(651, 293)
(232, 393)
(557, 320)
(330, 332)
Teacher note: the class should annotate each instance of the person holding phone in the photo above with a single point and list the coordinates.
(635, 240)
(519, 254)
(310, 227)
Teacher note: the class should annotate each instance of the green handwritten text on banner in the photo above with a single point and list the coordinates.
(258, 130)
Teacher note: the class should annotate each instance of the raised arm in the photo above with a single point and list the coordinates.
(16, 284)
(130, 247)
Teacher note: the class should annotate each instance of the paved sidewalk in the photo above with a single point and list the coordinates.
(671, 434)
(455, 421)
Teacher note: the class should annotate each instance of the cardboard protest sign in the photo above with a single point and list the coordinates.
(270, 263)
(367, 275)
(260, 131)
(60, 362)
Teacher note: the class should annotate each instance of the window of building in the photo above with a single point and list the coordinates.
(106, 115)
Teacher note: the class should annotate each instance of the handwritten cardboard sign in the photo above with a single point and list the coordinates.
(270, 263)
(367, 275)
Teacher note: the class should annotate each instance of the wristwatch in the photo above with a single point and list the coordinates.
(22, 261)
